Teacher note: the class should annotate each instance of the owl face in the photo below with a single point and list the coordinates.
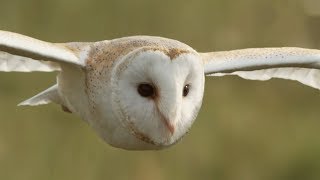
(157, 93)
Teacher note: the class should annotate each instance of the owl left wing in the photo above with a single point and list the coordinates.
(298, 64)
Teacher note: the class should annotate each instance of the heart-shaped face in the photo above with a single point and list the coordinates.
(157, 93)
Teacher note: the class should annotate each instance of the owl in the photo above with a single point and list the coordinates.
(143, 92)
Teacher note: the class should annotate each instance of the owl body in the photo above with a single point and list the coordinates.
(97, 84)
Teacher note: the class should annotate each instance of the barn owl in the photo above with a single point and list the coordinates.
(143, 92)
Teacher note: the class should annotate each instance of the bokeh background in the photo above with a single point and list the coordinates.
(246, 130)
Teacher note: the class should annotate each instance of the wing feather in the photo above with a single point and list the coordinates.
(9, 63)
(265, 63)
(25, 54)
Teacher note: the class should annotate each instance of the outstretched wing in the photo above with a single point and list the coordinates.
(265, 63)
(25, 54)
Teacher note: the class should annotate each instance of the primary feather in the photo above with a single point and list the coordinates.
(19, 53)
(13, 63)
(265, 63)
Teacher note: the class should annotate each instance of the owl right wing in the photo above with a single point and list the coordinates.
(298, 64)
(25, 54)
(21, 53)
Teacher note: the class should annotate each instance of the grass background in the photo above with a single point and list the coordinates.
(245, 130)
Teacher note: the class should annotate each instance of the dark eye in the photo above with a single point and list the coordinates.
(186, 89)
(146, 90)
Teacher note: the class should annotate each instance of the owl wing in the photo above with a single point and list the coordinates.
(24, 54)
(298, 64)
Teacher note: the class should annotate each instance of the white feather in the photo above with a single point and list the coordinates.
(265, 63)
(45, 97)
(9, 63)
(24, 50)
(309, 77)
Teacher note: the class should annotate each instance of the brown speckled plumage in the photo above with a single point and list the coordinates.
(104, 54)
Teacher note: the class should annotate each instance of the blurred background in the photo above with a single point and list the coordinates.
(245, 130)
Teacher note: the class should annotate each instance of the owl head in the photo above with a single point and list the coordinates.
(157, 93)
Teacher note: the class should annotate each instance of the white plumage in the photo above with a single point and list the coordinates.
(143, 92)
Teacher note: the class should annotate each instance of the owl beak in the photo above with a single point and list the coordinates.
(166, 121)
(168, 125)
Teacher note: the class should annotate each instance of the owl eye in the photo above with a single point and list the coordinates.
(146, 90)
(186, 89)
